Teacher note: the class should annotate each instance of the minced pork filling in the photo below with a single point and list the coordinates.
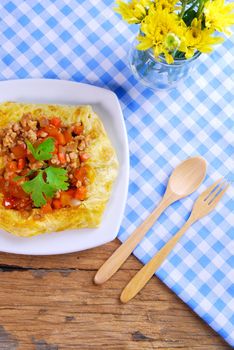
(44, 164)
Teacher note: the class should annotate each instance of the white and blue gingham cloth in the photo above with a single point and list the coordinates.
(86, 41)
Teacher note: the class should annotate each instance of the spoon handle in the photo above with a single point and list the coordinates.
(122, 253)
(147, 271)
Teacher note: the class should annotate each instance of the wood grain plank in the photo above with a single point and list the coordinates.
(86, 260)
(51, 303)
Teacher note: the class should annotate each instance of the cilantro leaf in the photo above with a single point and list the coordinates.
(21, 177)
(38, 189)
(41, 189)
(31, 148)
(57, 178)
(44, 150)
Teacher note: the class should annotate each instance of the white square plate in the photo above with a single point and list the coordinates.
(106, 104)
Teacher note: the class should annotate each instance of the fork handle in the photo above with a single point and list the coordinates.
(122, 253)
(143, 276)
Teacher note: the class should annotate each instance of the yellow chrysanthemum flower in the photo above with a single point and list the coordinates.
(198, 39)
(219, 15)
(158, 27)
(166, 5)
(134, 11)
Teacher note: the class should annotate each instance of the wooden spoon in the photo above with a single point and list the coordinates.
(184, 180)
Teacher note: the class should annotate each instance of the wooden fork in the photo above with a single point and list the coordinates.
(204, 204)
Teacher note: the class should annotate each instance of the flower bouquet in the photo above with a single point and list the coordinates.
(173, 34)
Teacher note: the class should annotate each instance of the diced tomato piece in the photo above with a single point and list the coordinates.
(40, 133)
(19, 151)
(71, 192)
(16, 190)
(31, 158)
(67, 135)
(56, 203)
(61, 154)
(16, 203)
(78, 129)
(55, 150)
(12, 166)
(81, 173)
(9, 203)
(14, 196)
(62, 158)
(61, 139)
(47, 208)
(56, 122)
(52, 131)
(56, 147)
(84, 157)
(66, 197)
(24, 172)
(21, 163)
(81, 193)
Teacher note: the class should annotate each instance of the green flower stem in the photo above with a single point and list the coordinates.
(191, 7)
(191, 1)
(200, 8)
(184, 3)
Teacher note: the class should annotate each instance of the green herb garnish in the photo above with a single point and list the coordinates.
(48, 180)
(44, 150)
(57, 177)
(41, 189)
(21, 177)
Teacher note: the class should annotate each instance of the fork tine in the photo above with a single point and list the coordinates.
(218, 196)
(210, 189)
(215, 191)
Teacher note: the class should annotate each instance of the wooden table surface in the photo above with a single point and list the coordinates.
(51, 303)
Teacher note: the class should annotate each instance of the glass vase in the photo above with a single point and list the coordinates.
(157, 74)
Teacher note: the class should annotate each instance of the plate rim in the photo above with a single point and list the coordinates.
(23, 251)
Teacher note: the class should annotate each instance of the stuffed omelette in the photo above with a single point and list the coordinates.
(57, 168)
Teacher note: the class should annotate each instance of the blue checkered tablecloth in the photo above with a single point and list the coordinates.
(83, 40)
